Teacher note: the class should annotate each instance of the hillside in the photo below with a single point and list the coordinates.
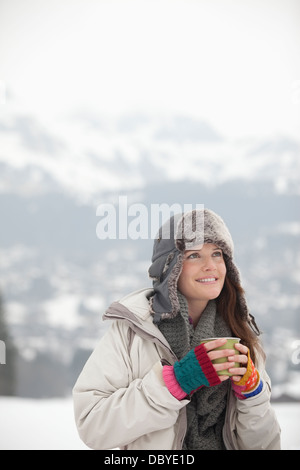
(57, 277)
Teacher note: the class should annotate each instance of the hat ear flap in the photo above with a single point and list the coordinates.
(165, 304)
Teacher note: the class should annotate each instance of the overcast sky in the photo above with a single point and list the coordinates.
(233, 63)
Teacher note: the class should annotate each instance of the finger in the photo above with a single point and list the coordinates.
(237, 370)
(223, 366)
(236, 378)
(214, 343)
(221, 353)
(241, 348)
(241, 358)
(223, 377)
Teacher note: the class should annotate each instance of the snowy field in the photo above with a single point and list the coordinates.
(27, 424)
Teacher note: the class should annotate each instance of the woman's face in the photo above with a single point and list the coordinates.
(203, 273)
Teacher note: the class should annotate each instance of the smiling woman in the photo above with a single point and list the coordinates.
(152, 374)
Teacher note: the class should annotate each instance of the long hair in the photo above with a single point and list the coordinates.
(241, 328)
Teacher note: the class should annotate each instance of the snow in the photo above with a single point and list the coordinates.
(28, 424)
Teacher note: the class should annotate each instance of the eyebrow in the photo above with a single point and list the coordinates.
(214, 249)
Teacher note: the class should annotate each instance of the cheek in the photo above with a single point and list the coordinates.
(223, 269)
(222, 272)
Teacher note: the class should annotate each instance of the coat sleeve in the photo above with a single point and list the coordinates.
(257, 427)
(112, 407)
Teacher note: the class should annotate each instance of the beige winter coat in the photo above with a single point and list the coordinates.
(121, 401)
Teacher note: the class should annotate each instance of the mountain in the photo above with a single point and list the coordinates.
(89, 156)
(58, 276)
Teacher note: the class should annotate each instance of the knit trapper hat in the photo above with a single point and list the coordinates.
(186, 231)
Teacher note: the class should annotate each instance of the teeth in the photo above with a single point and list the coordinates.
(209, 279)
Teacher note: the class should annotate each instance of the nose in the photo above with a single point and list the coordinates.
(208, 264)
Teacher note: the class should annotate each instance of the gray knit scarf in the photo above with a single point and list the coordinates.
(206, 410)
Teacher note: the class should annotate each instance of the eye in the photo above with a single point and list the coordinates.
(193, 256)
(218, 254)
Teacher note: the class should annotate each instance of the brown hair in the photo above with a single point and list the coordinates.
(241, 328)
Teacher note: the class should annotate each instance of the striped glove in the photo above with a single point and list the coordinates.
(193, 371)
(250, 384)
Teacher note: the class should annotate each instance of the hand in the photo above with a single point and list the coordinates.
(232, 358)
(246, 382)
(242, 358)
(194, 370)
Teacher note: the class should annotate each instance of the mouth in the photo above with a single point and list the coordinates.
(207, 280)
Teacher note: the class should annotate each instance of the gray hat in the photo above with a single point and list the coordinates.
(184, 232)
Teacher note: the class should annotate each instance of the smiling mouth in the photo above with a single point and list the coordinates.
(207, 280)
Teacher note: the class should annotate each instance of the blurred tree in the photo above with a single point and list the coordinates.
(7, 357)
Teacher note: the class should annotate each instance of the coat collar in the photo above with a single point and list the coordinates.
(135, 309)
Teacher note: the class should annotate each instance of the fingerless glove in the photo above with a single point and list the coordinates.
(192, 372)
(250, 384)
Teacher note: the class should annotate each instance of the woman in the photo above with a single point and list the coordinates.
(150, 384)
